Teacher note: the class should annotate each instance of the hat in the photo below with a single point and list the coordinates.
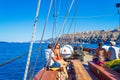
(113, 43)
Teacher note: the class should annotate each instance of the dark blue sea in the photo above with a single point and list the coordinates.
(15, 70)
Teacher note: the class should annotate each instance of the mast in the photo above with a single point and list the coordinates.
(75, 34)
(118, 6)
(54, 22)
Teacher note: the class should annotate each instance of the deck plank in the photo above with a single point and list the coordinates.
(80, 71)
(48, 75)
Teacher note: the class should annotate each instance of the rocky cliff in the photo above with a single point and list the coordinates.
(92, 36)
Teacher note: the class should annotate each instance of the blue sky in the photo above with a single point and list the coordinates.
(17, 17)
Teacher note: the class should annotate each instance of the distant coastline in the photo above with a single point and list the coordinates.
(91, 37)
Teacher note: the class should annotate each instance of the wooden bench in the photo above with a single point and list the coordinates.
(47, 75)
(103, 73)
(80, 71)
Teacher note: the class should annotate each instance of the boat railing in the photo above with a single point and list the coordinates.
(103, 73)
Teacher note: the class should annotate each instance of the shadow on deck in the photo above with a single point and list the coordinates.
(87, 58)
(90, 73)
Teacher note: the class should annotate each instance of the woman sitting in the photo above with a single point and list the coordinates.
(59, 58)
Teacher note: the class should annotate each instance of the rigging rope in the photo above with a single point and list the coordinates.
(76, 10)
(55, 18)
(64, 25)
(66, 16)
(59, 7)
(13, 59)
(54, 22)
(51, 1)
(89, 16)
(31, 44)
(74, 34)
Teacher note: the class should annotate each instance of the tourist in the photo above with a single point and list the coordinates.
(113, 52)
(100, 55)
(60, 58)
(58, 55)
(51, 60)
(106, 49)
(100, 50)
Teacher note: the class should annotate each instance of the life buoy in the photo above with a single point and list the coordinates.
(66, 51)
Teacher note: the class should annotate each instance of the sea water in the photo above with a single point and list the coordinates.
(15, 69)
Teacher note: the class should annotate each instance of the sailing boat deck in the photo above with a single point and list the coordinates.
(80, 71)
(46, 75)
(83, 72)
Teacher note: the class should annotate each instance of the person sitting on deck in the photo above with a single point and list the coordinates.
(100, 54)
(50, 58)
(102, 57)
(113, 52)
(99, 50)
(52, 61)
(60, 58)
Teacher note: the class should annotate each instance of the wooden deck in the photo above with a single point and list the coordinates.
(47, 75)
(87, 58)
(80, 71)
(103, 73)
